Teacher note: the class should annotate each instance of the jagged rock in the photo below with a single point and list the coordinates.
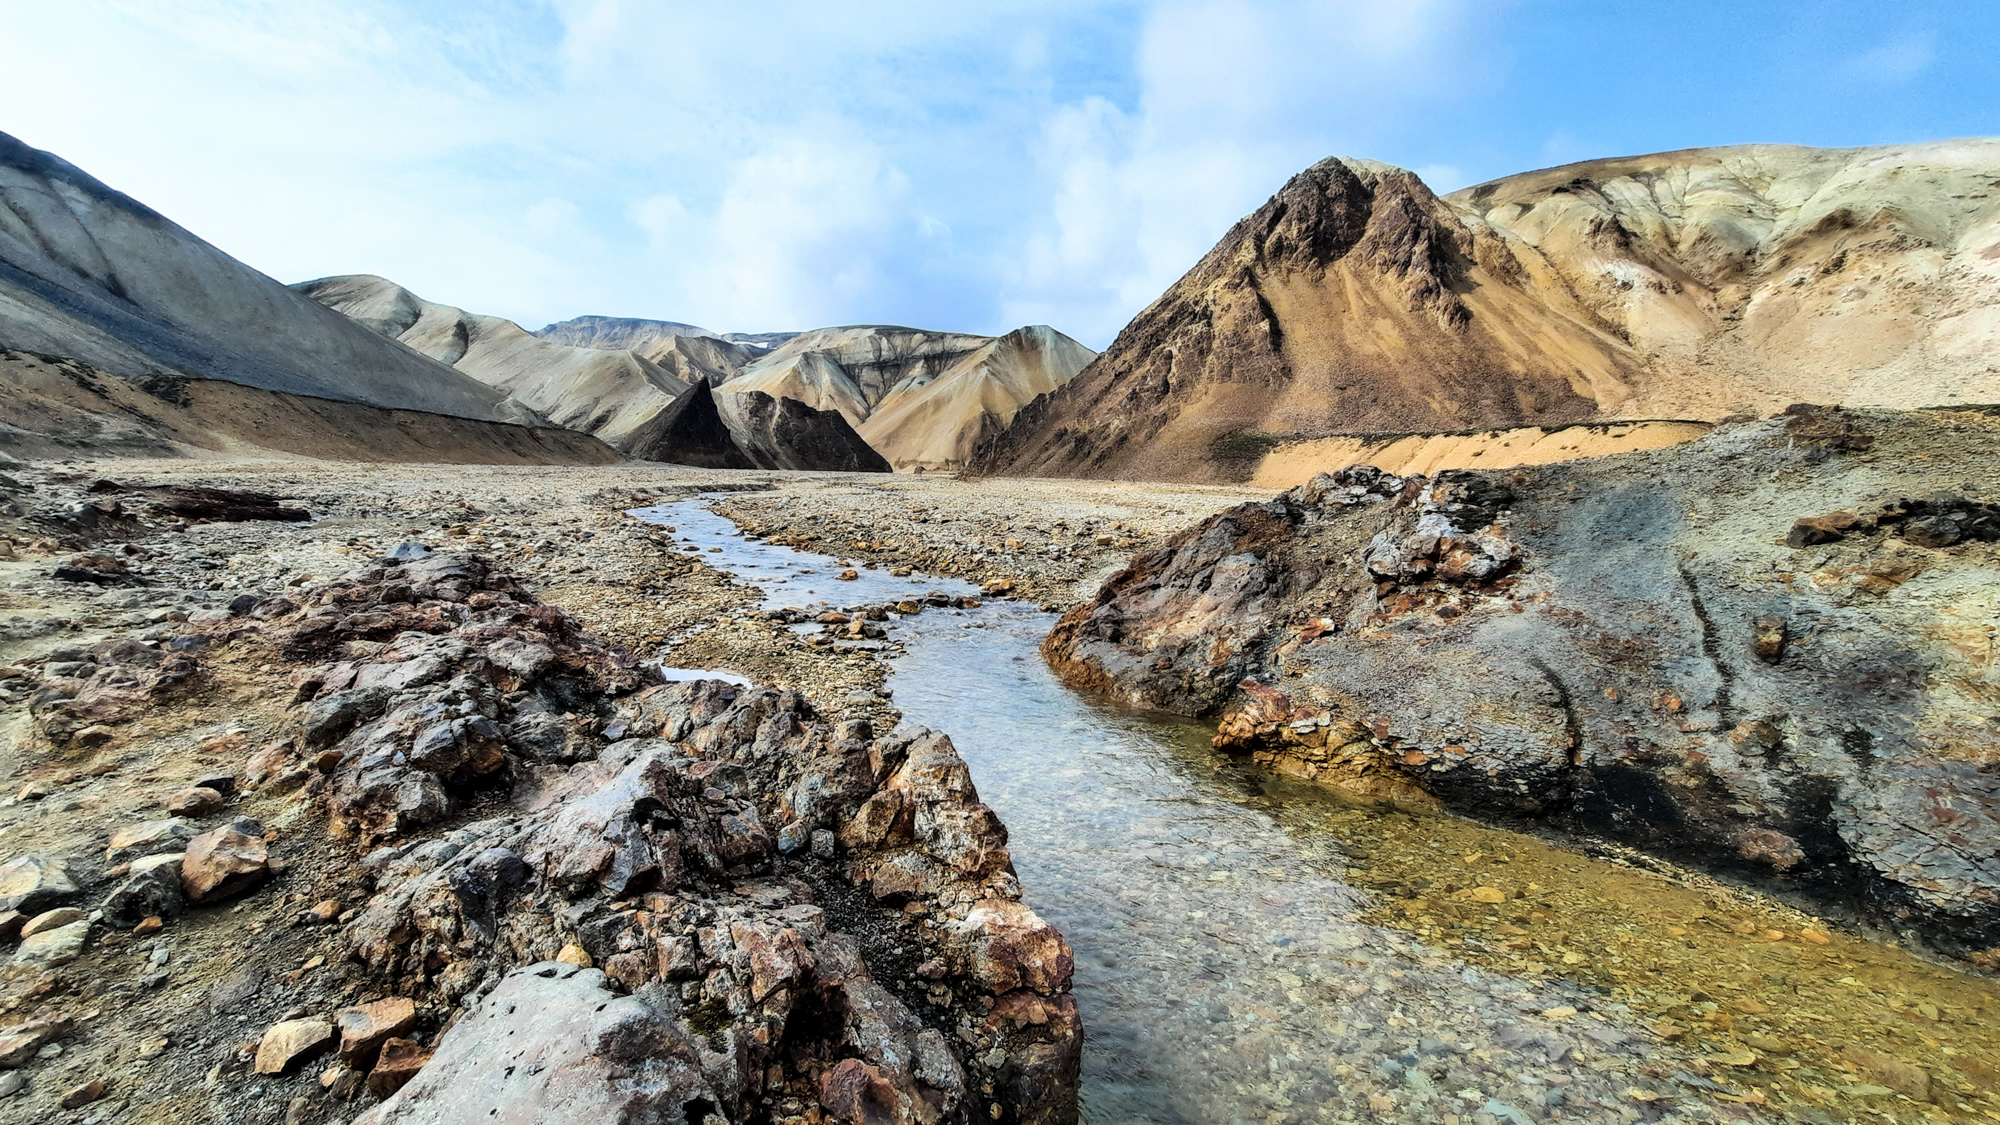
(124, 680)
(19, 1043)
(153, 889)
(34, 883)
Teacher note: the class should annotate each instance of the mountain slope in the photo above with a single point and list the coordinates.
(635, 334)
(630, 402)
(607, 393)
(88, 273)
(935, 422)
(921, 398)
(1696, 284)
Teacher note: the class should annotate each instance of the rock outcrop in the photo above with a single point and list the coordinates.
(921, 398)
(1698, 284)
(1769, 650)
(781, 918)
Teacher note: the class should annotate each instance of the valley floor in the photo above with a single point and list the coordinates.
(1840, 1023)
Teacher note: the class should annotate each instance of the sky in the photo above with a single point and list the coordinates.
(973, 166)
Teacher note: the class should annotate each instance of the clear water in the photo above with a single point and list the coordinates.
(1221, 973)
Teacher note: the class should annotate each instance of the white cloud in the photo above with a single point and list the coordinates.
(1896, 61)
(1235, 97)
(776, 165)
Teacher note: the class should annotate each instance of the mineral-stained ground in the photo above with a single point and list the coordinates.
(390, 804)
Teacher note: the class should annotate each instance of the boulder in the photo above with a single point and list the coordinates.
(365, 1027)
(292, 1041)
(153, 889)
(53, 947)
(222, 863)
(34, 883)
(149, 838)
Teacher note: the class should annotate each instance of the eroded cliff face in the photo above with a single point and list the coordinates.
(1771, 649)
(1700, 284)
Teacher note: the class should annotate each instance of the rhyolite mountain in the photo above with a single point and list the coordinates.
(922, 398)
(95, 283)
(1696, 284)
(633, 404)
(607, 393)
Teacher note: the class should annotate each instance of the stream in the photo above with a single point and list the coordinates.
(1221, 970)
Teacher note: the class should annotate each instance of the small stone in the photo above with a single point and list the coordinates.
(150, 924)
(400, 1062)
(1559, 1013)
(50, 919)
(198, 801)
(34, 791)
(290, 1041)
(83, 1095)
(320, 913)
(11, 1083)
(1816, 937)
(1488, 895)
(574, 954)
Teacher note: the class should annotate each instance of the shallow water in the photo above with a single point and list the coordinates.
(1222, 971)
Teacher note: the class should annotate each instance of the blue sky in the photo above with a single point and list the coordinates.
(762, 166)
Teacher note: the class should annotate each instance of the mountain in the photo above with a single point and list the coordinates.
(1697, 284)
(645, 336)
(610, 394)
(640, 407)
(95, 279)
(921, 398)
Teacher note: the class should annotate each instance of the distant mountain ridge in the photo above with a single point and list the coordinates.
(923, 398)
(1694, 284)
(642, 408)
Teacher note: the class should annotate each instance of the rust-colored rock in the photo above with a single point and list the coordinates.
(399, 1062)
(365, 1027)
(222, 863)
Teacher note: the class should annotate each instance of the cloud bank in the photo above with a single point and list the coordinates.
(783, 164)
